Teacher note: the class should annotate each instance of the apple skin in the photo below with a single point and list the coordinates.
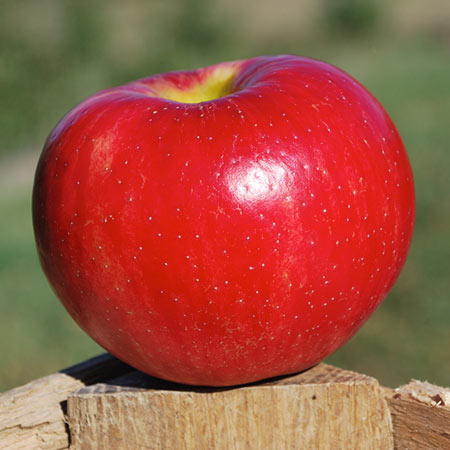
(231, 240)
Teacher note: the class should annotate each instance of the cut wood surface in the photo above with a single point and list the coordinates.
(322, 408)
(112, 406)
(33, 416)
(421, 416)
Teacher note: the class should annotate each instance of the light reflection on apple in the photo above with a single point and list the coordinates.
(259, 181)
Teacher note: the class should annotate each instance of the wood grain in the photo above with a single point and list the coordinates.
(112, 406)
(33, 416)
(323, 408)
(420, 416)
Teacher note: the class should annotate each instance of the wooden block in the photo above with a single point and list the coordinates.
(33, 416)
(322, 408)
(421, 416)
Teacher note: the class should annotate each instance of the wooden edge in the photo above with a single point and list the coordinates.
(420, 415)
(136, 380)
(323, 407)
(32, 416)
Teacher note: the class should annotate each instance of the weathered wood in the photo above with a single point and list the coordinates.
(323, 408)
(421, 416)
(33, 416)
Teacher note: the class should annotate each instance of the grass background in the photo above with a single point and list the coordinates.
(55, 53)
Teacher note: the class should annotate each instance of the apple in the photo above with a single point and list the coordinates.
(228, 224)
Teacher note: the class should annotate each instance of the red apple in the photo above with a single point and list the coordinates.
(227, 224)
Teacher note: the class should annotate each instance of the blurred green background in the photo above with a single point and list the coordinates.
(54, 53)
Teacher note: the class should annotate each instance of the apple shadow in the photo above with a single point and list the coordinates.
(106, 374)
